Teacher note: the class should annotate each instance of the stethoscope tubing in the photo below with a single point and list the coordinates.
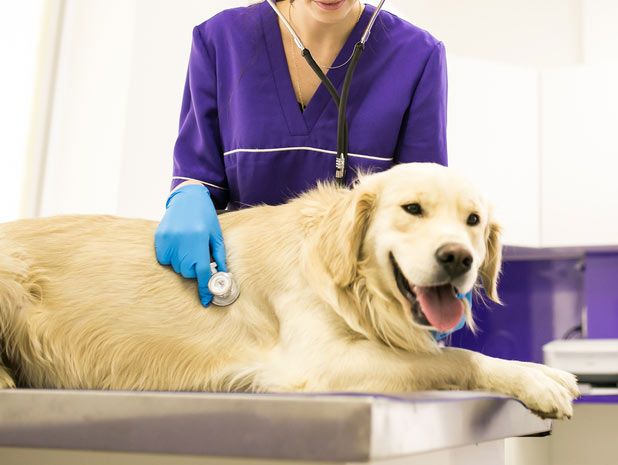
(340, 100)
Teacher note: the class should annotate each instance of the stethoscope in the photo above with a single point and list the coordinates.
(340, 101)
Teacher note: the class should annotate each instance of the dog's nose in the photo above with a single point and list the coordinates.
(454, 258)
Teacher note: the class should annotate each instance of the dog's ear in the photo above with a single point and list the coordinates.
(490, 268)
(343, 232)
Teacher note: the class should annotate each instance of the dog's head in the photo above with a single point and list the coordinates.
(412, 239)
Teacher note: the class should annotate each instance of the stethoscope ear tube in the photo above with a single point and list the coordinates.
(318, 71)
(342, 125)
(340, 101)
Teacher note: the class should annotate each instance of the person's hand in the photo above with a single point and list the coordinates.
(188, 234)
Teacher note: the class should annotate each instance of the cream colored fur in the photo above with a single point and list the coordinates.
(84, 303)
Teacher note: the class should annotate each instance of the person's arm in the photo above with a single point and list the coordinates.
(423, 134)
(198, 151)
(190, 233)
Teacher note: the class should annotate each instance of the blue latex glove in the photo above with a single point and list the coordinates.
(438, 336)
(188, 233)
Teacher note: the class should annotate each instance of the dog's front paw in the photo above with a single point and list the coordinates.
(548, 392)
(566, 379)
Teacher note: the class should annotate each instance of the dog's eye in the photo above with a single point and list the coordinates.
(473, 219)
(413, 209)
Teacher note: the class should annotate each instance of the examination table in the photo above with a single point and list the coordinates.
(207, 428)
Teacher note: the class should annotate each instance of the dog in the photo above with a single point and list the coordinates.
(340, 290)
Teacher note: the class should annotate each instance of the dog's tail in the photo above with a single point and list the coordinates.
(20, 289)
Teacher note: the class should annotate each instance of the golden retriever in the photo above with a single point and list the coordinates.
(340, 290)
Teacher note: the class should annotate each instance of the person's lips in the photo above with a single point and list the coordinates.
(330, 5)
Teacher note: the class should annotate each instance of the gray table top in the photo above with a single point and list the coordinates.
(329, 427)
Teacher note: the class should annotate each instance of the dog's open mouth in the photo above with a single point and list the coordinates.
(436, 306)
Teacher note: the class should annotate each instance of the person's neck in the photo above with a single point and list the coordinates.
(317, 35)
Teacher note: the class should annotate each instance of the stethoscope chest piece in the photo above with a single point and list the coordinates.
(223, 287)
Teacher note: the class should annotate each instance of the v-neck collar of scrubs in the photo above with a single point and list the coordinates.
(302, 122)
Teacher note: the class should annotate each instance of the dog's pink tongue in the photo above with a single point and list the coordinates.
(440, 305)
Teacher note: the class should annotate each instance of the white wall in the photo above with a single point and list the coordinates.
(523, 32)
(579, 112)
(20, 33)
(599, 37)
(88, 124)
(588, 438)
(580, 155)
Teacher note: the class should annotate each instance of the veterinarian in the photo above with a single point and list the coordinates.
(257, 127)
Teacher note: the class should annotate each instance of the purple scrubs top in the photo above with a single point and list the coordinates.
(244, 136)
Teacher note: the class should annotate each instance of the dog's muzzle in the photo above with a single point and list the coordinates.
(437, 306)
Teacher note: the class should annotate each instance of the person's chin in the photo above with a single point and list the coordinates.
(329, 11)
